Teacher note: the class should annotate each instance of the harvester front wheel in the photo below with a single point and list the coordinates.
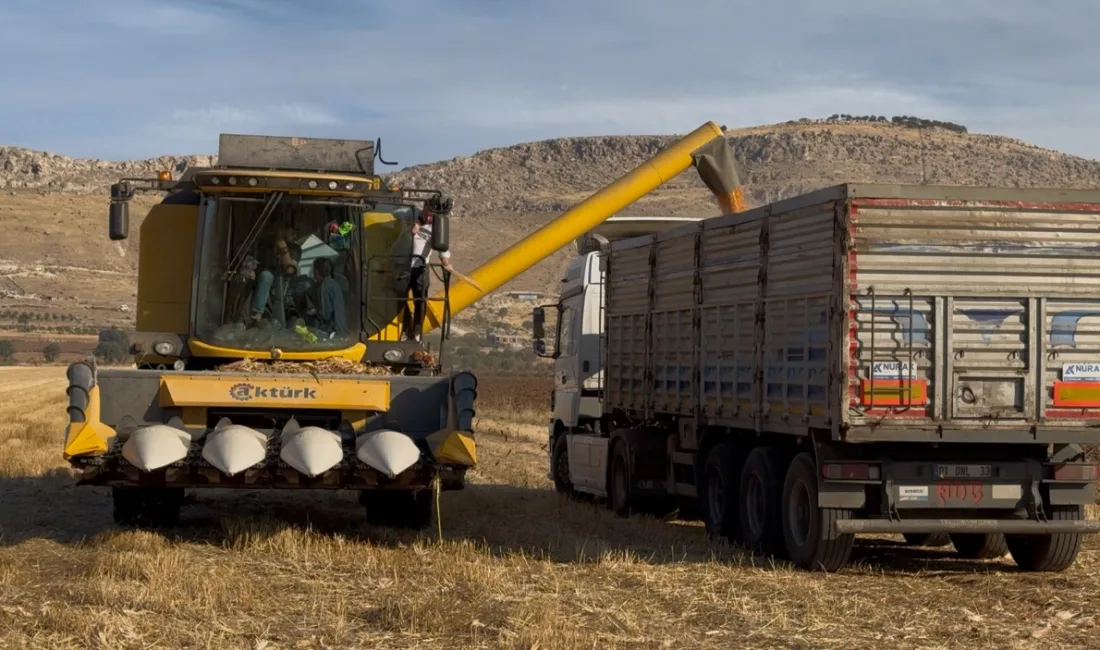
(146, 507)
(410, 509)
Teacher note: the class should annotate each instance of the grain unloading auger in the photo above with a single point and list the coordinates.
(268, 346)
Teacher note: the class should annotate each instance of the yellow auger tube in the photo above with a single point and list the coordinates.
(573, 223)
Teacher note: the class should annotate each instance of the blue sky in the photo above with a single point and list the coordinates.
(435, 79)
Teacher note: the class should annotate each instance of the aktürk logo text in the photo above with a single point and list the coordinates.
(245, 392)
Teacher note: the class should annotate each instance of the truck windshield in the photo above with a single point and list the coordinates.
(279, 274)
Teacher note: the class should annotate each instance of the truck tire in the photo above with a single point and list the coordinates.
(718, 494)
(619, 499)
(560, 465)
(807, 527)
(409, 509)
(931, 540)
(146, 507)
(760, 507)
(979, 546)
(1052, 552)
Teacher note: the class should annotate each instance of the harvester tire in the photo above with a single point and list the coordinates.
(809, 530)
(1053, 552)
(146, 507)
(980, 546)
(931, 540)
(411, 509)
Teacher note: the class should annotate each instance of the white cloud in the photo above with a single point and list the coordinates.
(435, 79)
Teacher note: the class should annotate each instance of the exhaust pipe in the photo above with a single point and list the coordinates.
(233, 448)
(310, 450)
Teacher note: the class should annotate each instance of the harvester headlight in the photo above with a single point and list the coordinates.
(252, 182)
(180, 364)
(392, 356)
(232, 180)
(332, 185)
(312, 185)
(164, 348)
(215, 181)
(349, 187)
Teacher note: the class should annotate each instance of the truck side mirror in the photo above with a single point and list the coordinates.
(441, 232)
(538, 328)
(118, 226)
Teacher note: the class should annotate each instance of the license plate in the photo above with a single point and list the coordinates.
(964, 471)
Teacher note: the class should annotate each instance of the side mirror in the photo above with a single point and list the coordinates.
(538, 318)
(540, 347)
(118, 225)
(441, 232)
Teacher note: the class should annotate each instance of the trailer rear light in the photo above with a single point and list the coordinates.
(1076, 472)
(1077, 394)
(894, 392)
(850, 472)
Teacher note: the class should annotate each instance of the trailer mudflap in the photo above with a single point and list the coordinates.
(1006, 526)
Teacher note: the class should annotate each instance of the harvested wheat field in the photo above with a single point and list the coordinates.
(519, 567)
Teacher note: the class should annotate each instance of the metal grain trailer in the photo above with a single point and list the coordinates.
(860, 359)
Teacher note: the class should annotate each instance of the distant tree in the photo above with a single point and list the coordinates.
(51, 352)
(7, 351)
(24, 318)
(502, 312)
(110, 352)
(527, 325)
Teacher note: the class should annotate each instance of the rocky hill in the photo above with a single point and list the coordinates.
(53, 208)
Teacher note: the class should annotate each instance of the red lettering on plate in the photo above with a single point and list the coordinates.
(959, 491)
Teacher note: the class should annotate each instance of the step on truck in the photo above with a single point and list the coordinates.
(270, 348)
(862, 359)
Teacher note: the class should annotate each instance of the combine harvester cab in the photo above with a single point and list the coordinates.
(270, 348)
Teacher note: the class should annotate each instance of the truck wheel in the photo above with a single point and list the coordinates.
(562, 482)
(411, 509)
(1053, 552)
(761, 502)
(146, 507)
(980, 546)
(932, 540)
(807, 527)
(719, 494)
(618, 484)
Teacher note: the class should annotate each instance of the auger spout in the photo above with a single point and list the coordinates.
(589, 213)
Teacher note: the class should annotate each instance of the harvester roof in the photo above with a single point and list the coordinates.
(320, 155)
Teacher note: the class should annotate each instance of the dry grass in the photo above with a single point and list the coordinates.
(519, 568)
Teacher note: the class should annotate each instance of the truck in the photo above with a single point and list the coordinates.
(271, 347)
(860, 359)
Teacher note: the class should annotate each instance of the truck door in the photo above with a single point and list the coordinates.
(565, 368)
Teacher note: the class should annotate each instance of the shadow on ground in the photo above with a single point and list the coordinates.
(503, 519)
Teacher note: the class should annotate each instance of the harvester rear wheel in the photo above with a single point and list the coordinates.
(146, 507)
(398, 508)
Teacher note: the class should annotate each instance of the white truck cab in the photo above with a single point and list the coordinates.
(577, 342)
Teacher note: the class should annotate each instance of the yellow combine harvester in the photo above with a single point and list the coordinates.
(269, 349)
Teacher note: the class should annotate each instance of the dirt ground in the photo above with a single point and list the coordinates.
(519, 567)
